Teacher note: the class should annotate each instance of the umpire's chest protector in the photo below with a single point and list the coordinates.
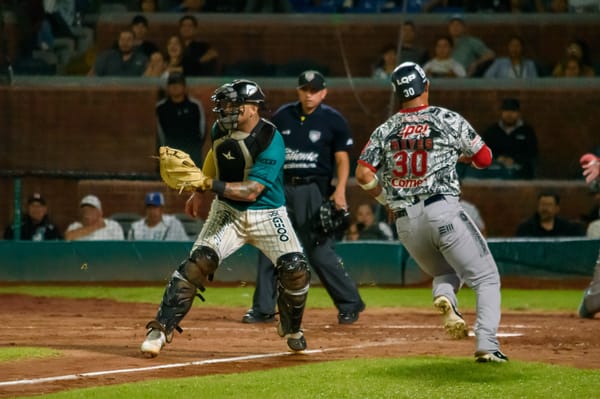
(236, 151)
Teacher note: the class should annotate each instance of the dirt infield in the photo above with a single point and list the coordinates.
(100, 337)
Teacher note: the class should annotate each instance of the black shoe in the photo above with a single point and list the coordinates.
(253, 316)
(350, 317)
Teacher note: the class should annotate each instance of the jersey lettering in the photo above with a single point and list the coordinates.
(410, 163)
(419, 129)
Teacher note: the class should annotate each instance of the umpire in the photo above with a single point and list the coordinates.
(317, 139)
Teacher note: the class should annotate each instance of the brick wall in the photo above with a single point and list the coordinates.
(89, 128)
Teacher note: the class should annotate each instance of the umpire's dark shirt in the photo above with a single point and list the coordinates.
(311, 140)
(181, 126)
(562, 228)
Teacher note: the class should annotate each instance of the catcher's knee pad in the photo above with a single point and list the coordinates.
(182, 288)
(292, 287)
(200, 267)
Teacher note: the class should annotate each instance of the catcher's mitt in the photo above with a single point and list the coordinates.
(179, 171)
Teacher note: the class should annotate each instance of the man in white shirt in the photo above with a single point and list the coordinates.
(156, 225)
(93, 226)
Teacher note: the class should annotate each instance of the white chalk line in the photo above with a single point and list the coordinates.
(186, 364)
(224, 360)
(362, 326)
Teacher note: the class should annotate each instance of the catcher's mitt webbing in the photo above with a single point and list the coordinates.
(178, 171)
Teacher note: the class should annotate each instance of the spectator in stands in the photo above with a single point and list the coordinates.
(368, 227)
(199, 58)
(123, 61)
(514, 65)
(443, 65)
(156, 225)
(157, 66)
(546, 222)
(512, 141)
(35, 223)
(386, 64)
(181, 119)
(576, 50)
(470, 51)
(411, 50)
(174, 54)
(139, 27)
(93, 226)
(352, 233)
(148, 6)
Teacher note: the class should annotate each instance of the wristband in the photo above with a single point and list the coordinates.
(381, 197)
(218, 186)
(370, 185)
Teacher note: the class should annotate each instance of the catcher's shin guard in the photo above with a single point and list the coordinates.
(292, 286)
(182, 288)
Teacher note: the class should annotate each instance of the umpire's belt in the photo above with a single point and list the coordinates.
(434, 198)
(302, 180)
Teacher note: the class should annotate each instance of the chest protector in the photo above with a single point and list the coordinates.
(236, 151)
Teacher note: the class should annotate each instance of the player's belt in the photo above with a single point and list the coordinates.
(302, 180)
(434, 198)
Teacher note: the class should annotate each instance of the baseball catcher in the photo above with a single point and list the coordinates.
(244, 168)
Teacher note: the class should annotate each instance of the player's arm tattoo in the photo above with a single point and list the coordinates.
(248, 190)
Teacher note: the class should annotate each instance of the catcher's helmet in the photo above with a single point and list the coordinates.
(229, 97)
(409, 81)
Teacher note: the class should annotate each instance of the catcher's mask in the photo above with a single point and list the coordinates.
(409, 81)
(332, 220)
(230, 98)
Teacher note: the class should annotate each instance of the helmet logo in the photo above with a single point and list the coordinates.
(250, 90)
(407, 79)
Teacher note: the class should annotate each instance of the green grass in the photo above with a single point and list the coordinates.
(414, 378)
(12, 353)
(512, 299)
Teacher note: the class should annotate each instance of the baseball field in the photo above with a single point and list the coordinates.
(83, 342)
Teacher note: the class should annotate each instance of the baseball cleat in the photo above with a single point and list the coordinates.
(296, 341)
(490, 357)
(154, 342)
(252, 317)
(454, 324)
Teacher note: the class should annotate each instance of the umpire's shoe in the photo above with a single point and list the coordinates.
(490, 357)
(454, 323)
(350, 317)
(252, 316)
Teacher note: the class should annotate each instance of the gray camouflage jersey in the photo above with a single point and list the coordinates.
(416, 151)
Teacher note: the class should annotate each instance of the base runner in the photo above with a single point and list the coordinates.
(415, 152)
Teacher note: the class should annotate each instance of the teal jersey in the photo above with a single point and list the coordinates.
(258, 157)
(268, 170)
